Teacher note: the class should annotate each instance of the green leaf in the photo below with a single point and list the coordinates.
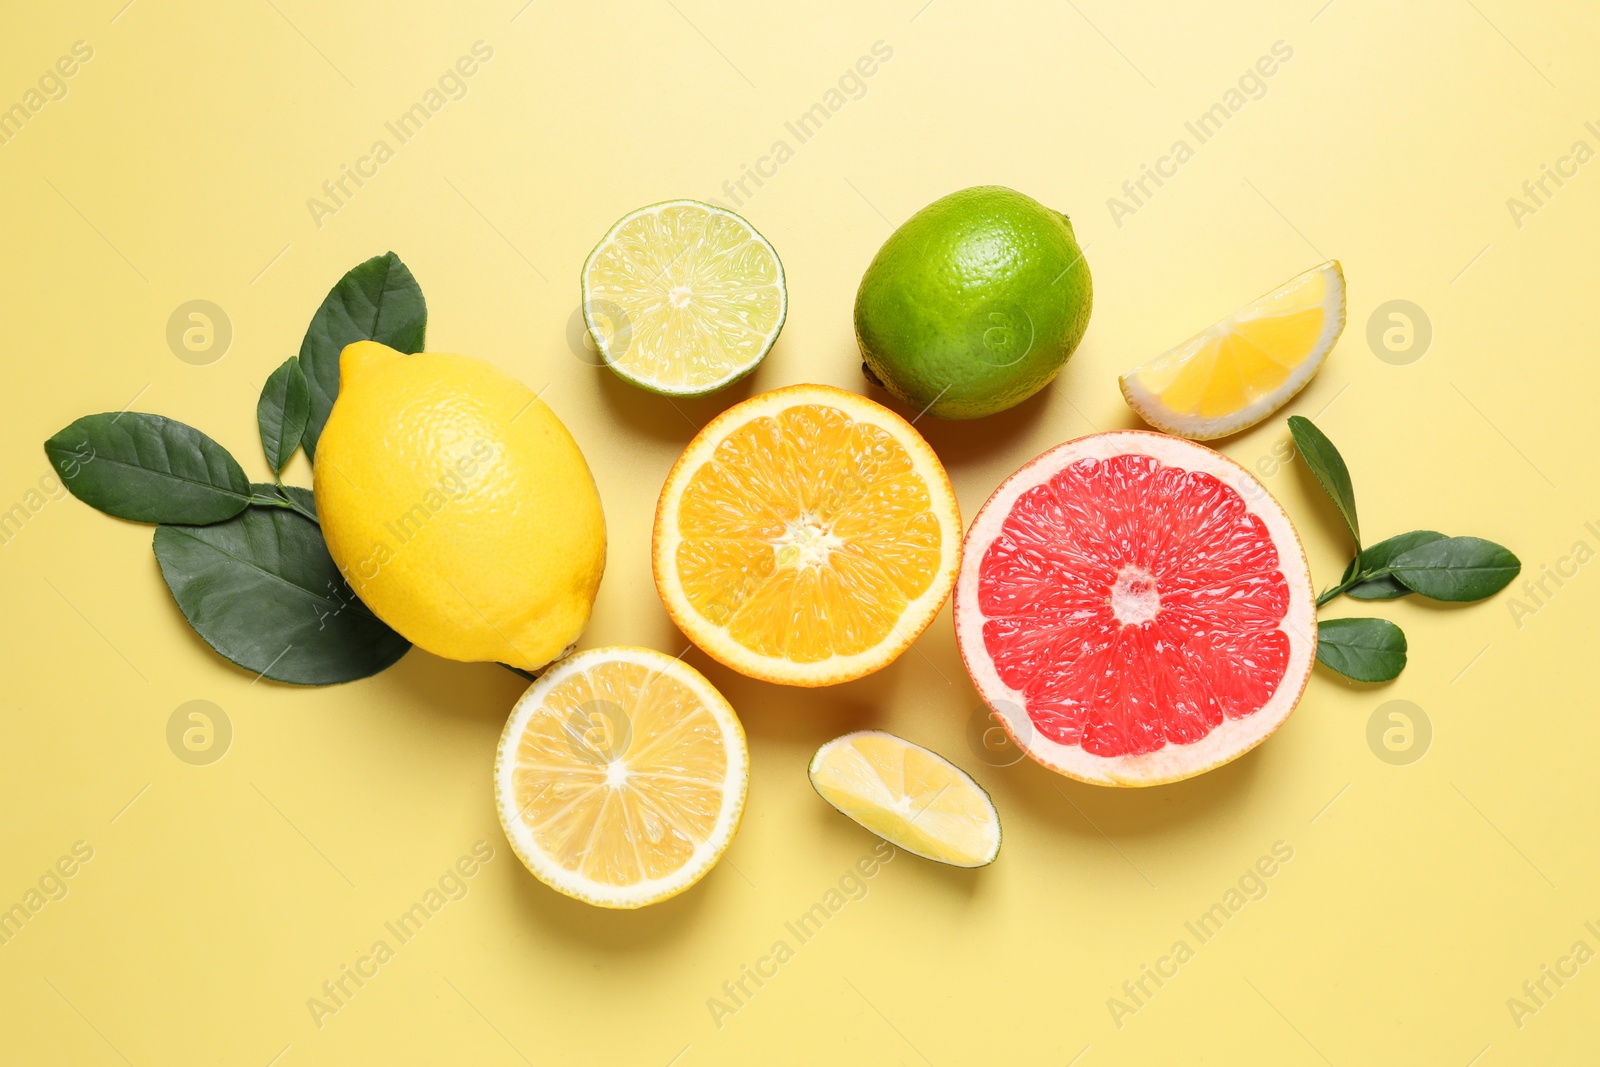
(1383, 587)
(1368, 650)
(148, 468)
(1328, 466)
(282, 411)
(1378, 557)
(376, 301)
(1456, 568)
(262, 590)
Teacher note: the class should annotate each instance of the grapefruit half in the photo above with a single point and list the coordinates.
(1135, 609)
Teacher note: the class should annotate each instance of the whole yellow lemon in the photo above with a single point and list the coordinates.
(458, 506)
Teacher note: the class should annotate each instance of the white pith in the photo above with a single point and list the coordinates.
(1197, 427)
(736, 782)
(1232, 737)
(913, 619)
(1134, 598)
(807, 543)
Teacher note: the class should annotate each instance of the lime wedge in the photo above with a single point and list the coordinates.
(911, 797)
(683, 298)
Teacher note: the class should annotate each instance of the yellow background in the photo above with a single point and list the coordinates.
(1419, 898)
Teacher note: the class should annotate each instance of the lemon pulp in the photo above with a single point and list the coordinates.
(621, 776)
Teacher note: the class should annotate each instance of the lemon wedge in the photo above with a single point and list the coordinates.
(1234, 374)
(913, 798)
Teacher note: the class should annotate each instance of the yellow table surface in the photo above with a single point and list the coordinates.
(176, 164)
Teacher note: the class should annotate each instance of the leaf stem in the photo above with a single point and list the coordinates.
(1329, 594)
(529, 675)
(1354, 580)
(288, 500)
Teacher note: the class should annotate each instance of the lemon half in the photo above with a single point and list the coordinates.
(621, 776)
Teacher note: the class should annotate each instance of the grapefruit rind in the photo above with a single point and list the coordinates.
(736, 782)
(1149, 406)
(1172, 762)
(714, 640)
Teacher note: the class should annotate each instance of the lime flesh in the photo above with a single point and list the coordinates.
(683, 298)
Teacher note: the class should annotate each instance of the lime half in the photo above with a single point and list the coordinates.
(683, 298)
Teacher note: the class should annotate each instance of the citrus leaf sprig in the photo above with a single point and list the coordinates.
(246, 562)
(1425, 562)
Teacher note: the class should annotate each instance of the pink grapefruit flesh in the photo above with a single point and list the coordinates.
(1135, 608)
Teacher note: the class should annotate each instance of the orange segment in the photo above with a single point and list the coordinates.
(807, 535)
(721, 576)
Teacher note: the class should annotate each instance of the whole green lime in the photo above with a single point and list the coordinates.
(974, 304)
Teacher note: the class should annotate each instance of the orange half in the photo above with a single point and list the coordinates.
(806, 536)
